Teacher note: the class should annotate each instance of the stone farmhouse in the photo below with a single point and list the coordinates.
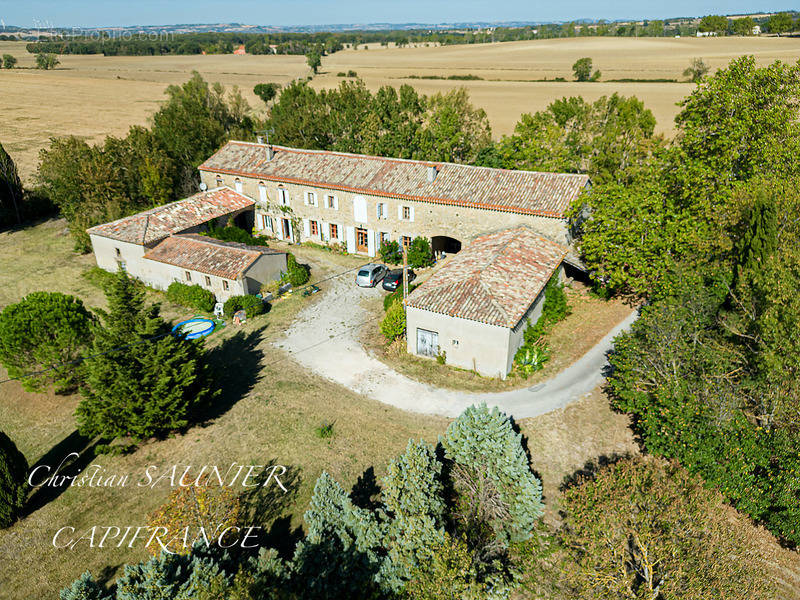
(359, 201)
(161, 245)
(476, 307)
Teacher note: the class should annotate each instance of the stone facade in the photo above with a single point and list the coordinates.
(284, 210)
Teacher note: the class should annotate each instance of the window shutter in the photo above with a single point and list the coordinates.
(306, 228)
(336, 202)
(351, 239)
(305, 198)
(400, 213)
(411, 213)
(262, 193)
(371, 242)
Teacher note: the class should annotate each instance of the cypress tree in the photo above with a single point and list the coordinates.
(13, 484)
(169, 577)
(759, 233)
(491, 472)
(142, 381)
(10, 190)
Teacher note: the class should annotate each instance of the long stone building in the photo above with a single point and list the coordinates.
(359, 201)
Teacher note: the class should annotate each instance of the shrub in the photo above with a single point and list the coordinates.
(191, 296)
(271, 287)
(341, 74)
(296, 274)
(419, 253)
(324, 431)
(251, 305)
(266, 91)
(390, 252)
(45, 330)
(533, 353)
(352, 73)
(13, 484)
(394, 323)
(9, 61)
(441, 358)
(389, 299)
(232, 233)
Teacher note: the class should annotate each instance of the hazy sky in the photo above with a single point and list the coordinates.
(92, 13)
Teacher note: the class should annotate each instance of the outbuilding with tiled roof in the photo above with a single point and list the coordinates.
(475, 308)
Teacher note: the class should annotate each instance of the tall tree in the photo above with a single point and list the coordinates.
(501, 499)
(11, 193)
(142, 381)
(13, 481)
(45, 333)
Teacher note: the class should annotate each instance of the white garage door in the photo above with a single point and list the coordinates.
(427, 343)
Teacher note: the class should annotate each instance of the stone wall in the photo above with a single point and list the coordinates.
(423, 218)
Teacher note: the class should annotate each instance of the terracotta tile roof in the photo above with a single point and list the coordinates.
(207, 255)
(527, 192)
(152, 225)
(494, 280)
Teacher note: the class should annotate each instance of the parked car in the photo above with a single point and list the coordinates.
(370, 275)
(394, 278)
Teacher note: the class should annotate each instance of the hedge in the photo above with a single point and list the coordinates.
(191, 296)
(250, 304)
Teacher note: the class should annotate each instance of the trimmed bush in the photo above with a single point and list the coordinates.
(296, 274)
(394, 323)
(390, 252)
(191, 296)
(419, 253)
(396, 295)
(251, 305)
(232, 233)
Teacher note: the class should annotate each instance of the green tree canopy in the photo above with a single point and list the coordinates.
(11, 193)
(45, 331)
(266, 91)
(142, 381)
(13, 481)
(582, 69)
(781, 23)
(714, 24)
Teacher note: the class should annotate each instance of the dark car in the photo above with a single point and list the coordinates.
(394, 278)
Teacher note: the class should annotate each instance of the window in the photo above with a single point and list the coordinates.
(118, 252)
(332, 201)
(361, 240)
(382, 211)
(187, 275)
(208, 281)
(406, 241)
(311, 199)
(385, 237)
(283, 196)
(334, 231)
(406, 213)
(262, 192)
(237, 184)
(225, 285)
(314, 228)
(266, 222)
(219, 181)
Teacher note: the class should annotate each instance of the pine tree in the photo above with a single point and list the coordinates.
(414, 506)
(142, 380)
(341, 552)
(13, 484)
(84, 588)
(168, 577)
(498, 491)
(10, 190)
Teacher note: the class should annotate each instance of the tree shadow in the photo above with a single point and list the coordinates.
(366, 490)
(66, 460)
(267, 506)
(236, 364)
(590, 469)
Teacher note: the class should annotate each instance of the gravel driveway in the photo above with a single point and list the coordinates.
(324, 339)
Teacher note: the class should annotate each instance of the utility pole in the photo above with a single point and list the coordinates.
(405, 273)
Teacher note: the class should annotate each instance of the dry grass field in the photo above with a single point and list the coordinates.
(93, 96)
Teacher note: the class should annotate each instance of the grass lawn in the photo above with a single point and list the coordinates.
(590, 320)
(268, 412)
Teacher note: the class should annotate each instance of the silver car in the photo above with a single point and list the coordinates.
(370, 275)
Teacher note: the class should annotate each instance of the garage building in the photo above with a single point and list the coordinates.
(476, 307)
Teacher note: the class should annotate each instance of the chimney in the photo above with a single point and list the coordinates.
(270, 152)
(432, 172)
(260, 139)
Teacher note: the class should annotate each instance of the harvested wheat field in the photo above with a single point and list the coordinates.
(93, 96)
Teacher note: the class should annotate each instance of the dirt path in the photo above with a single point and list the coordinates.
(324, 338)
